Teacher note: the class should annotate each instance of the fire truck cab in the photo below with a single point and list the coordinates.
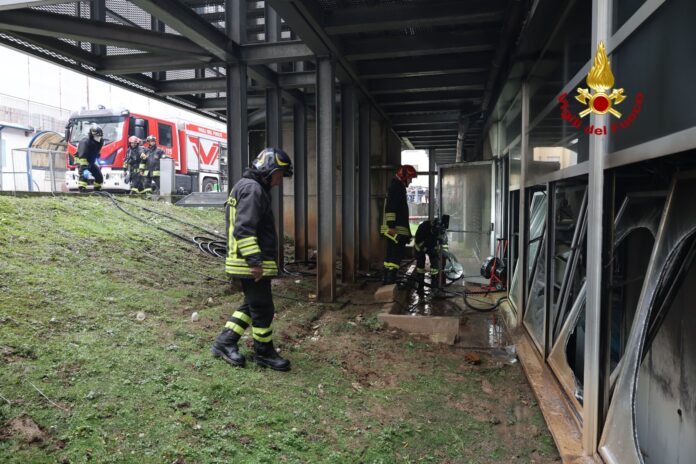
(198, 151)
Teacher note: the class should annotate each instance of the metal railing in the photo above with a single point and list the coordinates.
(33, 170)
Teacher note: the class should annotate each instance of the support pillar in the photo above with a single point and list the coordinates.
(601, 21)
(274, 130)
(364, 195)
(524, 230)
(326, 180)
(97, 12)
(237, 128)
(349, 122)
(300, 181)
(431, 184)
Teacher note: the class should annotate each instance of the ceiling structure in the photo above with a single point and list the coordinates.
(433, 68)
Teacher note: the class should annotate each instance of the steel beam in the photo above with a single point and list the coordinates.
(364, 196)
(472, 97)
(326, 180)
(349, 132)
(11, 5)
(62, 48)
(424, 66)
(300, 181)
(237, 120)
(274, 138)
(264, 53)
(187, 22)
(97, 12)
(419, 45)
(376, 18)
(150, 62)
(420, 119)
(217, 104)
(84, 30)
(426, 127)
(190, 86)
(445, 83)
(297, 80)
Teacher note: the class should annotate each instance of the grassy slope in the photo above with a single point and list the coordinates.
(74, 273)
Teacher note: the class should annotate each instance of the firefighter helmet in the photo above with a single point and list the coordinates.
(151, 139)
(271, 160)
(96, 132)
(406, 172)
(134, 139)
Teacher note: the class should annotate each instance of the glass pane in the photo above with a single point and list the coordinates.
(466, 197)
(656, 61)
(535, 314)
(537, 221)
(515, 167)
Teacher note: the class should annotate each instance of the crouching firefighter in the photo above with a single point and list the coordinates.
(395, 226)
(132, 164)
(86, 158)
(430, 240)
(252, 247)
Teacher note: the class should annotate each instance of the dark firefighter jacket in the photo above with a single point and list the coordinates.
(251, 237)
(132, 160)
(88, 151)
(425, 237)
(396, 210)
(152, 164)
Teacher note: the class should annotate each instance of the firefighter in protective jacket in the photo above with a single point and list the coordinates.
(87, 156)
(152, 164)
(132, 163)
(430, 240)
(395, 226)
(252, 247)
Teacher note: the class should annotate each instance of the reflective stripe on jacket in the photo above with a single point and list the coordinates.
(251, 239)
(395, 212)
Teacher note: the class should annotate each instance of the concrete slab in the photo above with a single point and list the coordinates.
(445, 328)
(385, 293)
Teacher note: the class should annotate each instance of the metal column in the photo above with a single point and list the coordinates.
(237, 129)
(274, 130)
(524, 231)
(349, 121)
(364, 198)
(431, 184)
(300, 181)
(97, 12)
(601, 21)
(326, 180)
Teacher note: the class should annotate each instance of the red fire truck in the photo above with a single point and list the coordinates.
(199, 152)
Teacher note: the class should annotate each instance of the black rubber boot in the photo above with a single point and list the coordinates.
(225, 347)
(389, 276)
(82, 190)
(420, 278)
(267, 356)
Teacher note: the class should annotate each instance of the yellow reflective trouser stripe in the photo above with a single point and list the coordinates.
(231, 325)
(389, 265)
(249, 251)
(262, 334)
(81, 162)
(155, 173)
(82, 183)
(419, 246)
(390, 216)
(434, 271)
(420, 270)
(246, 241)
(242, 316)
(401, 230)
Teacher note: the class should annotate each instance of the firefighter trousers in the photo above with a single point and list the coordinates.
(93, 168)
(257, 310)
(395, 251)
(434, 258)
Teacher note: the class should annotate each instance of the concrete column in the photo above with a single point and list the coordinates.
(326, 180)
(349, 132)
(300, 181)
(364, 215)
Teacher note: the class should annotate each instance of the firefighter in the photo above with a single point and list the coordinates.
(152, 165)
(395, 226)
(132, 164)
(87, 156)
(252, 249)
(430, 241)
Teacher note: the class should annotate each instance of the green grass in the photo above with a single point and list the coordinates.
(75, 271)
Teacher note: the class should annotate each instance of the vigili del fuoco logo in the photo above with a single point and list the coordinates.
(604, 99)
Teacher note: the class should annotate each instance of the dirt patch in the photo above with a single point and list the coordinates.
(11, 354)
(23, 428)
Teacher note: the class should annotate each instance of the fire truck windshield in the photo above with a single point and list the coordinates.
(111, 125)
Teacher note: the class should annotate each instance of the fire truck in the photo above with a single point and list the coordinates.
(199, 152)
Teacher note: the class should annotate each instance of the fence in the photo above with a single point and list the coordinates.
(33, 170)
